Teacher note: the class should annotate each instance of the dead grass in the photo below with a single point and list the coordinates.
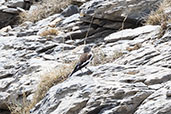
(17, 107)
(44, 9)
(101, 58)
(51, 31)
(48, 80)
(159, 16)
(133, 72)
(134, 47)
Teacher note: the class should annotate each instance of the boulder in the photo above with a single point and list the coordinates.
(122, 14)
(11, 9)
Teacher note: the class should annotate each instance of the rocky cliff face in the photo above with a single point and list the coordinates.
(10, 9)
(130, 72)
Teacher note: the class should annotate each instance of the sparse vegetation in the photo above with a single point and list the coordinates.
(51, 31)
(44, 9)
(101, 58)
(134, 47)
(132, 72)
(159, 16)
(116, 55)
(47, 81)
(17, 107)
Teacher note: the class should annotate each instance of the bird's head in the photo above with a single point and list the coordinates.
(87, 49)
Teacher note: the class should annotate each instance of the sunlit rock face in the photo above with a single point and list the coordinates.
(129, 74)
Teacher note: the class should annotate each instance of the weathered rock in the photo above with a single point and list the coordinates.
(27, 33)
(3, 97)
(136, 76)
(4, 30)
(16, 3)
(72, 9)
(21, 65)
(114, 10)
(156, 103)
(95, 93)
(24, 4)
(79, 2)
(124, 14)
(4, 83)
(9, 11)
(130, 34)
(2, 2)
(5, 74)
(113, 88)
(168, 93)
(6, 18)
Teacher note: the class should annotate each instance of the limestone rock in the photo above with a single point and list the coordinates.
(121, 12)
(9, 11)
(130, 72)
(156, 103)
(94, 93)
(130, 34)
(3, 97)
(72, 9)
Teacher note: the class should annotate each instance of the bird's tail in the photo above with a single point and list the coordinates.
(75, 70)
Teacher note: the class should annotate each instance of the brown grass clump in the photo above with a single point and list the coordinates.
(159, 16)
(133, 72)
(47, 81)
(44, 9)
(101, 58)
(116, 55)
(51, 31)
(17, 107)
(135, 47)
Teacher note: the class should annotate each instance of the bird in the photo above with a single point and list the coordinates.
(84, 59)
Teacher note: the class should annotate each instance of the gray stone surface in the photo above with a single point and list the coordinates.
(70, 10)
(129, 88)
(9, 10)
(133, 74)
(129, 34)
(109, 89)
(122, 12)
(157, 103)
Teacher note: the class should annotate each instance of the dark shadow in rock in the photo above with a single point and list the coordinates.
(87, 72)
(4, 111)
(101, 109)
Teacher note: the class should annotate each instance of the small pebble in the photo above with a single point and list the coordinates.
(168, 93)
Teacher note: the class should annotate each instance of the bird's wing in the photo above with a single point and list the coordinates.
(84, 60)
(89, 58)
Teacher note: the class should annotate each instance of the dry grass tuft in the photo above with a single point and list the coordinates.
(135, 47)
(51, 31)
(116, 55)
(44, 9)
(48, 80)
(17, 107)
(133, 72)
(159, 16)
(101, 58)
